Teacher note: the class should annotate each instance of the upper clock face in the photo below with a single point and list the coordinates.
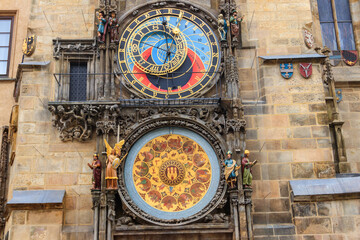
(168, 53)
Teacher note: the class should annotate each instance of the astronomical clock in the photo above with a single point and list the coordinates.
(169, 53)
(170, 91)
(171, 172)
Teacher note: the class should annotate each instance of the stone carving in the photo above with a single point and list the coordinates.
(79, 121)
(4, 162)
(67, 46)
(218, 121)
(74, 121)
(101, 26)
(235, 26)
(112, 163)
(246, 167)
(231, 170)
(222, 27)
(96, 167)
(111, 209)
(95, 201)
(125, 220)
(114, 28)
(108, 6)
(235, 125)
(216, 218)
(222, 203)
(159, 4)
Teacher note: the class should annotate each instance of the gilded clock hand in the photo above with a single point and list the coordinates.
(176, 30)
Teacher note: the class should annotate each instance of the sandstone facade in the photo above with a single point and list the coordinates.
(288, 121)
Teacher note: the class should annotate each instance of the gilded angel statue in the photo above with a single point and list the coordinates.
(112, 163)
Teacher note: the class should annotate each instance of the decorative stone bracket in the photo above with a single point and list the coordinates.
(77, 121)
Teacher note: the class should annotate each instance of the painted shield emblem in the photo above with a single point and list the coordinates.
(335, 58)
(338, 93)
(28, 47)
(308, 38)
(350, 57)
(306, 69)
(286, 70)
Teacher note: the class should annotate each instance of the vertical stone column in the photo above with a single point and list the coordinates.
(248, 204)
(96, 207)
(110, 200)
(107, 68)
(234, 209)
(102, 215)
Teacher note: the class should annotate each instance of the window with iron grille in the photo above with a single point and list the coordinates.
(5, 44)
(336, 24)
(78, 79)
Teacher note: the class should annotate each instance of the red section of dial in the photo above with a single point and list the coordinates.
(198, 70)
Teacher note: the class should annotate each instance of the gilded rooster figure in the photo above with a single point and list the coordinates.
(112, 163)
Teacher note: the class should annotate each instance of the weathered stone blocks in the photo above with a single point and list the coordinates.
(304, 209)
(275, 171)
(302, 170)
(313, 225)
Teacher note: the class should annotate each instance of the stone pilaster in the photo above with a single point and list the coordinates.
(96, 207)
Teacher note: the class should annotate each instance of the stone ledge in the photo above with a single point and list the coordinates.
(325, 189)
(37, 199)
(292, 57)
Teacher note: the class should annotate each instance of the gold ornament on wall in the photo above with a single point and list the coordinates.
(29, 44)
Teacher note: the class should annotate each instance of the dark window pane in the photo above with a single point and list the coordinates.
(328, 35)
(325, 11)
(342, 10)
(3, 66)
(4, 39)
(78, 79)
(4, 53)
(5, 25)
(346, 36)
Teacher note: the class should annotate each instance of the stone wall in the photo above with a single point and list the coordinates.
(42, 161)
(275, 25)
(349, 109)
(328, 219)
(287, 126)
(36, 224)
(288, 133)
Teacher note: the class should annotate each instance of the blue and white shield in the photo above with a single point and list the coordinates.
(287, 70)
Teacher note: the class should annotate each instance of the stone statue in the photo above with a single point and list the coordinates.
(101, 32)
(246, 166)
(96, 167)
(222, 27)
(114, 28)
(234, 25)
(113, 161)
(231, 170)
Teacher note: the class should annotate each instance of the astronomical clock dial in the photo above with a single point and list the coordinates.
(168, 53)
(171, 173)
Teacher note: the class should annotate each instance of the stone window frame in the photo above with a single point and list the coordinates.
(64, 88)
(336, 27)
(11, 18)
(67, 51)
